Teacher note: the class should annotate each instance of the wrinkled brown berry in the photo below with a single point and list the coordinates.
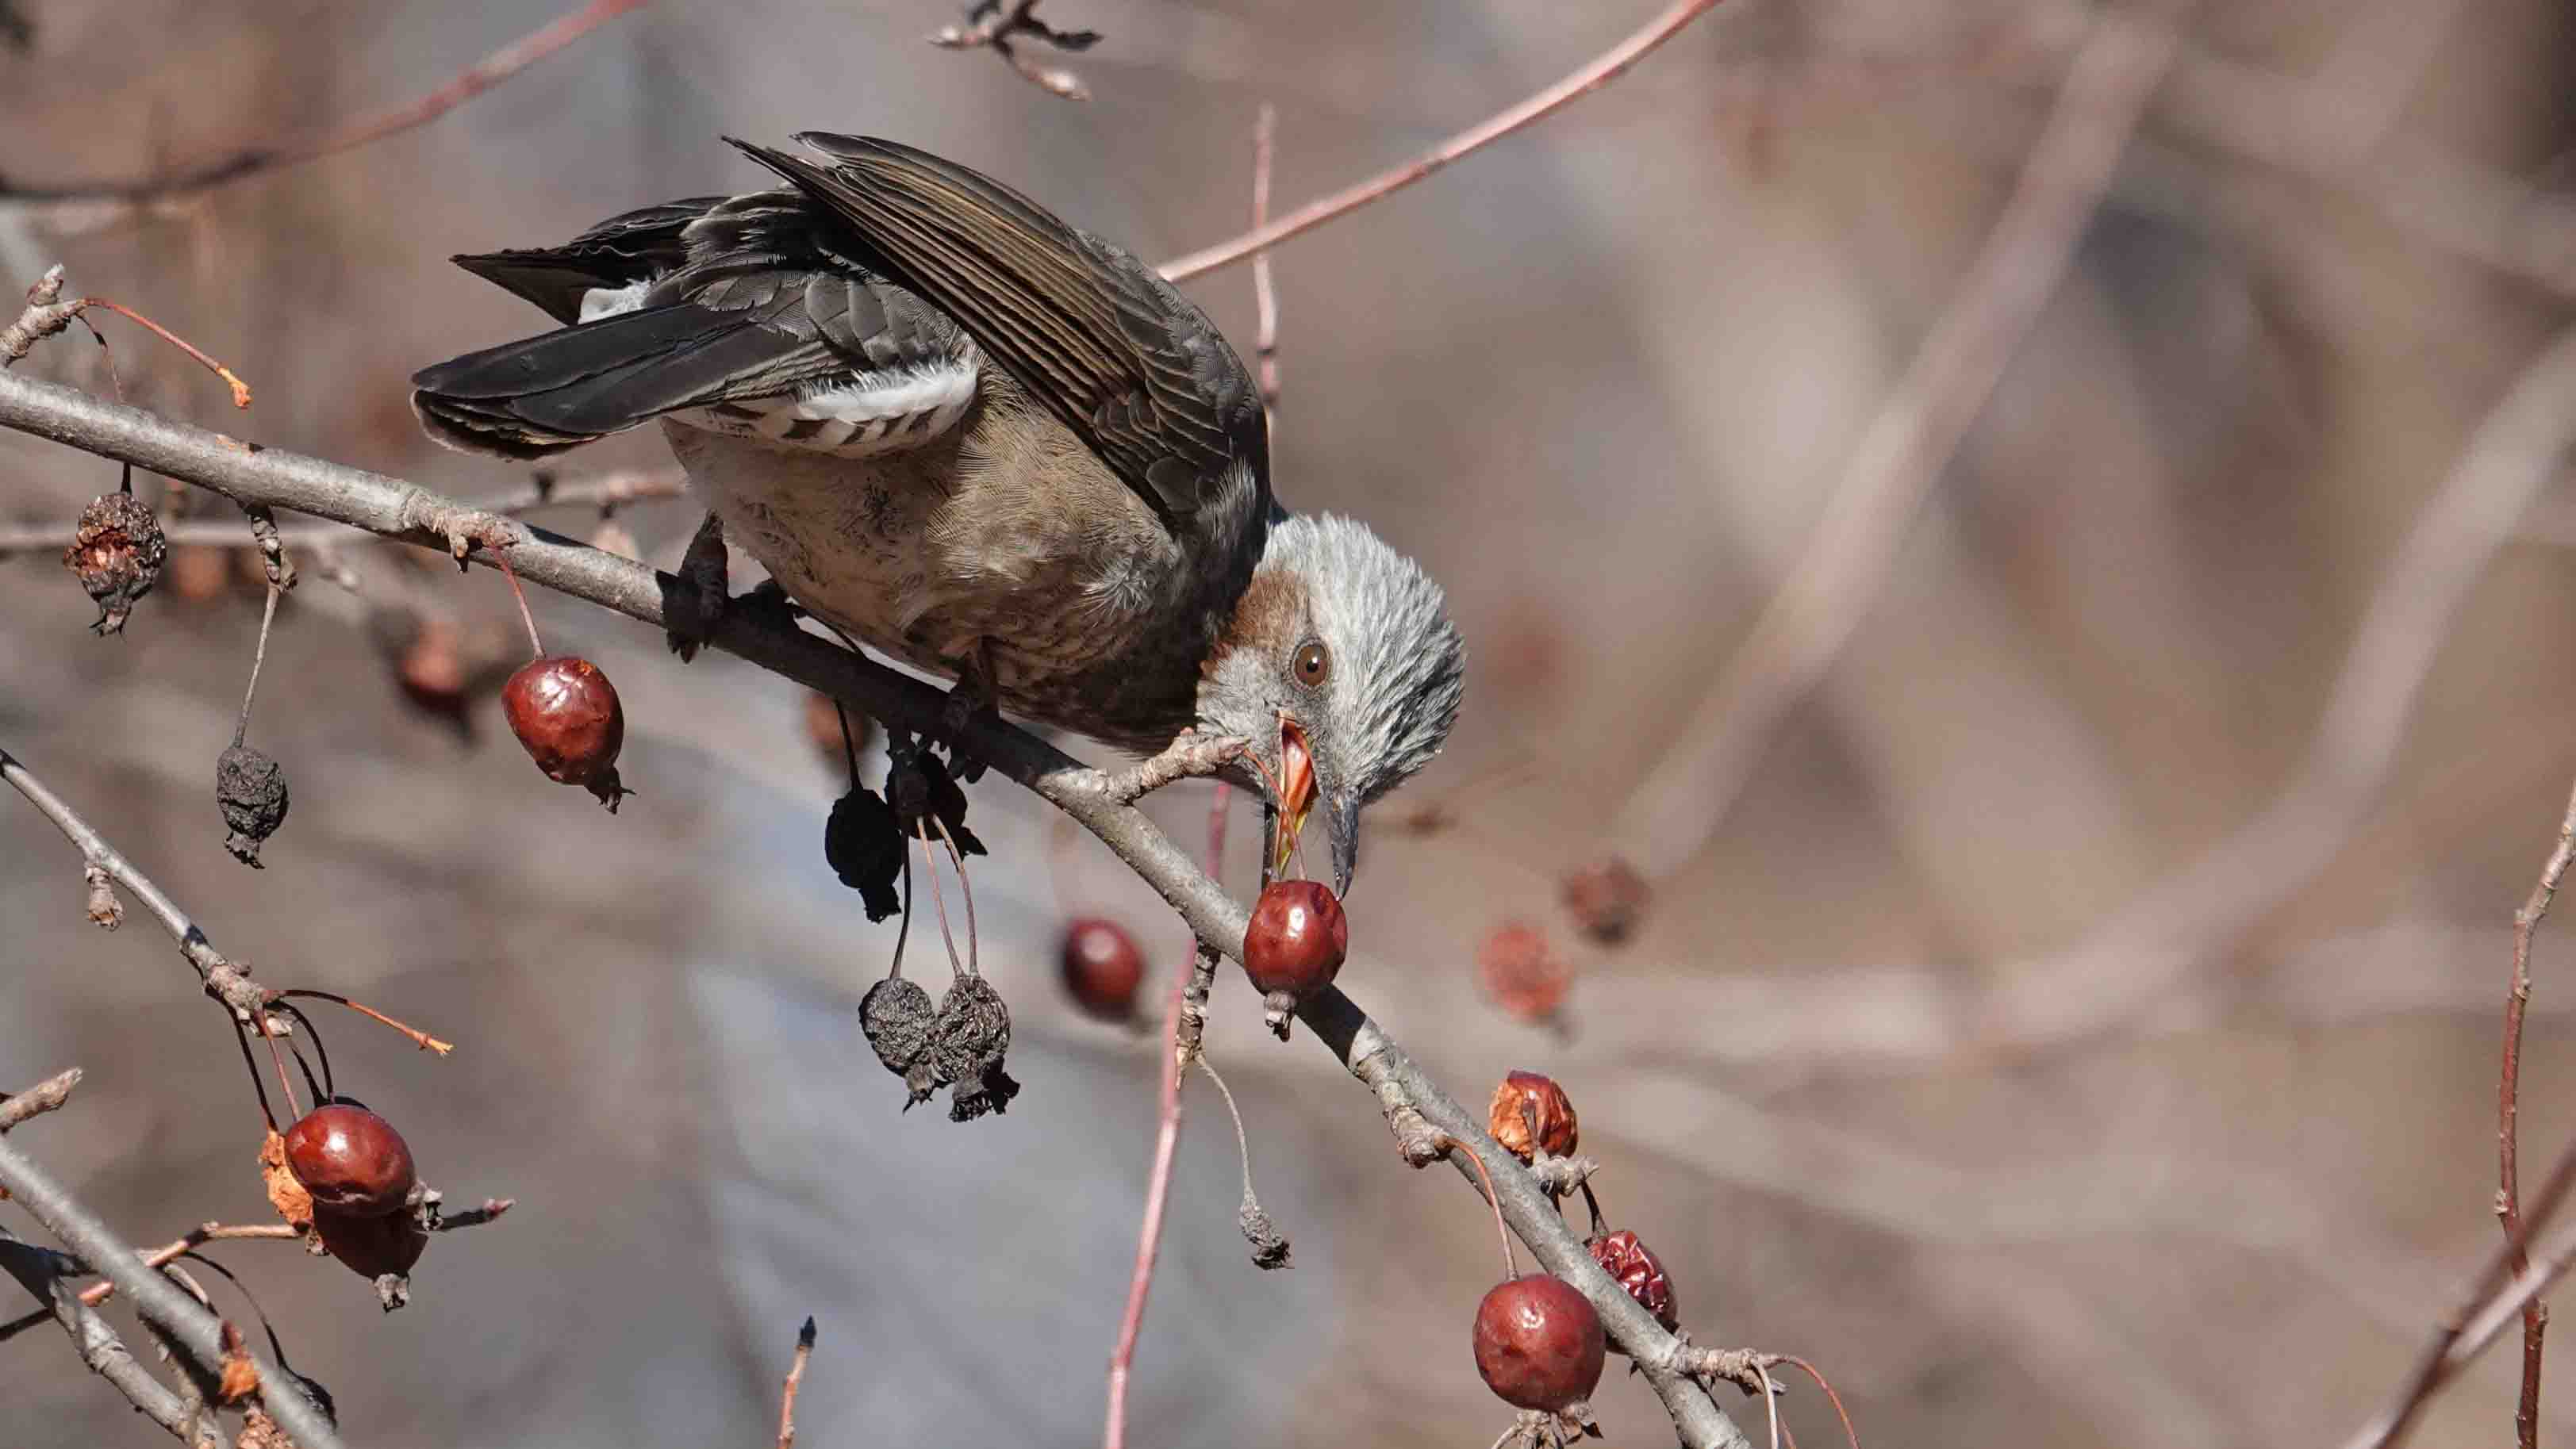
(372, 1246)
(864, 847)
(1294, 946)
(1522, 973)
(352, 1161)
(566, 712)
(1635, 1267)
(967, 1044)
(1607, 898)
(1539, 1344)
(900, 1023)
(251, 789)
(1103, 969)
(1527, 1101)
(117, 556)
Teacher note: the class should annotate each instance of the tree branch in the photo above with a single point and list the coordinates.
(45, 1096)
(411, 514)
(1604, 69)
(43, 1273)
(484, 74)
(2535, 1315)
(190, 1329)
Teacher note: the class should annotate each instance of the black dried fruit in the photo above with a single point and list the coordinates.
(902, 1024)
(973, 1032)
(865, 849)
(251, 788)
(117, 556)
(920, 788)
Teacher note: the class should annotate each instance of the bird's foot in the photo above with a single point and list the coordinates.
(1189, 756)
(975, 699)
(691, 614)
(766, 604)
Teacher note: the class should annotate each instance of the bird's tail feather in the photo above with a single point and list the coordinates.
(544, 394)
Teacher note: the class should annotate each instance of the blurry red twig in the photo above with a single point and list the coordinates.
(1831, 586)
(1600, 72)
(2535, 1314)
(484, 74)
(1265, 293)
(795, 1377)
(997, 25)
(1181, 1023)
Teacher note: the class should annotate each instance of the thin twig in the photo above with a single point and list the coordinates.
(419, 1038)
(1265, 292)
(1827, 592)
(2508, 1201)
(1149, 1236)
(1602, 70)
(42, 1273)
(998, 25)
(607, 491)
(171, 1252)
(795, 1376)
(45, 1096)
(484, 74)
(241, 389)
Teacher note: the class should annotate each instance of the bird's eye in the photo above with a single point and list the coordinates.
(1313, 665)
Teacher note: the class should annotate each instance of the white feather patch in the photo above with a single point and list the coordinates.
(601, 302)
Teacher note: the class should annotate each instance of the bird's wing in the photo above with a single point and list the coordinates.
(762, 329)
(637, 246)
(1129, 364)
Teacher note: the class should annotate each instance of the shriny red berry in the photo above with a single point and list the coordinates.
(371, 1246)
(566, 712)
(1294, 946)
(1635, 1267)
(1103, 969)
(1539, 1344)
(1527, 1102)
(352, 1161)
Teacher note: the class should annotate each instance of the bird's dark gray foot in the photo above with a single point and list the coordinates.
(693, 612)
(975, 699)
(766, 604)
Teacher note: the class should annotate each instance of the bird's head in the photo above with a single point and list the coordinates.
(1343, 670)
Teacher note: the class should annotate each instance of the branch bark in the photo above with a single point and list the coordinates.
(190, 1329)
(2526, 922)
(411, 514)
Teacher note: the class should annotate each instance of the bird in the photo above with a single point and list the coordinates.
(991, 446)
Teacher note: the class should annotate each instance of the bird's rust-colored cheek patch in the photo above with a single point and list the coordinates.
(1271, 614)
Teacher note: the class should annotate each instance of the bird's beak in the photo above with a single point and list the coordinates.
(1342, 818)
(1296, 786)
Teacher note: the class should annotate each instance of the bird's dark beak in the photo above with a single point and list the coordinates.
(1342, 818)
(1296, 787)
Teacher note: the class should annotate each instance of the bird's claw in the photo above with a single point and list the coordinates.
(692, 614)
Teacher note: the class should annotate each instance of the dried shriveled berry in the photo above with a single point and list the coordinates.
(1294, 946)
(865, 849)
(372, 1246)
(1525, 1104)
(973, 1032)
(251, 788)
(1635, 1267)
(1607, 899)
(920, 788)
(901, 1025)
(1522, 973)
(352, 1161)
(566, 712)
(1103, 969)
(1539, 1345)
(117, 555)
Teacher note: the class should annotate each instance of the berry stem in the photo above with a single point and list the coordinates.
(501, 556)
(293, 1111)
(258, 657)
(266, 1112)
(939, 900)
(1242, 1142)
(903, 932)
(330, 1082)
(1511, 1266)
(965, 888)
(241, 389)
(1837, 1399)
(419, 1038)
(849, 751)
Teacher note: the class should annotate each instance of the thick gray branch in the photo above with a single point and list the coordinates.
(42, 1272)
(186, 1323)
(411, 514)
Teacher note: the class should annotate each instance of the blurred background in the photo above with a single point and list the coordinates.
(2072, 1020)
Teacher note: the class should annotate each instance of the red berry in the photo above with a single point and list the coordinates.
(1539, 1344)
(1294, 946)
(352, 1161)
(1607, 898)
(1639, 1271)
(372, 1246)
(1103, 970)
(1297, 938)
(566, 712)
(1522, 973)
(1525, 1102)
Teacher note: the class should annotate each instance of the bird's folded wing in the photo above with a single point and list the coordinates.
(1131, 366)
